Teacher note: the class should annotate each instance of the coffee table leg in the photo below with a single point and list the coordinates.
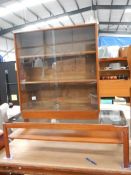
(126, 148)
(6, 141)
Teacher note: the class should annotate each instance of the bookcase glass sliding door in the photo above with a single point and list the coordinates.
(57, 69)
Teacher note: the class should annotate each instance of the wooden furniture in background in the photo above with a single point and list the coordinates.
(114, 82)
(129, 58)
(123, 52)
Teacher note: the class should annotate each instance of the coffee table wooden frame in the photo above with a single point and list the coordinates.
(118, 134)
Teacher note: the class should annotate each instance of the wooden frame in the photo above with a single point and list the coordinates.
(26, 169)
(96, 133)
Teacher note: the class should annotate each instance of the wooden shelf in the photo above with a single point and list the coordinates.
(60, 55)
(70, 81)
(62, 107)
(112, 59)
(116, 70)
(61, 135)
(62, 103)
(56, 44)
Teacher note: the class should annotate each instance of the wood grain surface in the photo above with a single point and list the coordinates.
(59, 158)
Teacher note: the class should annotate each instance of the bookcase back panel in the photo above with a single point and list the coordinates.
(60, 97)
(75, 67)
(56, 41)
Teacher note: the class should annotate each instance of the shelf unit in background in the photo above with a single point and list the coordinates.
(114, 82)
(106, 72)
(58, 72)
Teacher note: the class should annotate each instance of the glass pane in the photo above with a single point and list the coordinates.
(58, 69)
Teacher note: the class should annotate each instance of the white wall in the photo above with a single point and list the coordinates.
(7, 49)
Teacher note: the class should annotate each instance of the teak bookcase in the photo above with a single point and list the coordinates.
(57, 72)
(58, 79)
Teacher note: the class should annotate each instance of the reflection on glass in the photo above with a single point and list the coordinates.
(58, 69)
